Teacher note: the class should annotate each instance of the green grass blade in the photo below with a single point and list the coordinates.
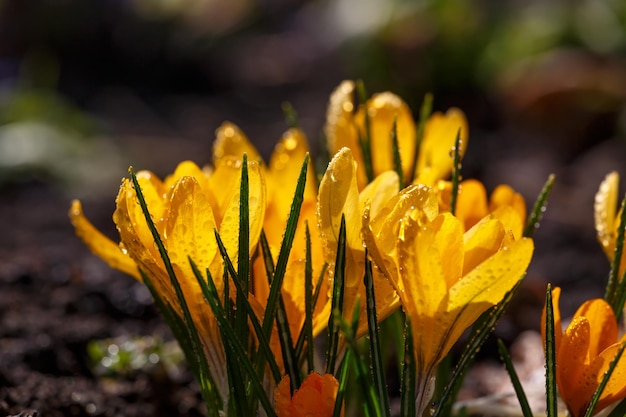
(619, 411)
(343, 383)
(243, 254)
(550, 347)
(372, 404)
(425, 112)
(605, 380)
(262, 337)
(395, 148)
(316, 294)
(612, 287)
(308, 302)
(231, 338)
(479, 333)
(365, 138)
(197, 347)
(285, 248)
(517, 385)
(409, 377)
(210, 395)
(378, 367)
(337, 299)
(539, 207)
(456, 171)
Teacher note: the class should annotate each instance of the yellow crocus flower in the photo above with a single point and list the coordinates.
(445, 277)
(472, 204)
(186, 207)
(584, 352)
(281, 178)
(344, 124)
(607, 217)
(339, 195)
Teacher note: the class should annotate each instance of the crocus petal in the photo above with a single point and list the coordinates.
(471, 204)
(383, 109)
(257, 200)
(505, 196)
(434, 158)
(230, 141)
(340, 128)
(485, 286)
(605, 207)
(603, 332)
(338, 194)
(615, 389)
(101, 245)
(482, 241)
(575, 390)
(188, 169)
(315, 397)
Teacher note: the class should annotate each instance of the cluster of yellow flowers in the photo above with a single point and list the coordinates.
(444, 256)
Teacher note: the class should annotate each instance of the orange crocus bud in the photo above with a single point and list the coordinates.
(315, 397)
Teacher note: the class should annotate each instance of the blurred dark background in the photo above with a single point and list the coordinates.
(88, 88)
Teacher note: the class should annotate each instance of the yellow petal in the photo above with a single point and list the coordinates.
(187, 169)
(575, 390)
(603, 332)
(189, 229)
(99, 244)
(504, 195)
(384, 187)
(435, 154)
(471, 205)
(449, 242)
(230, 141)
(284, 169)
(615, 390)
(223, 183)
(510, 219)
(340, 129)
(257, 200)
(485, 286)
(424, 288)
(482, 241)
(605, 207)
(383, 109)
(338, 194)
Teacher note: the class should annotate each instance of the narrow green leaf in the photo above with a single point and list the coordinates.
(479, 333)
(196, 344)
(425, 112)
(395, 148)
(308, 302)
(291, 116)
(517, 385)
(365, 138)
(372, 403)
(285, 249)
(378, 367)
(614, 288)
(316, 294)
(409, 377)
(343, 383)
(243, 254)
(230, 337)
(456, 171)
(550, 347)
(539, 207)
(337, 298)
(202, 374)
(262, 336)
(605, 380)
